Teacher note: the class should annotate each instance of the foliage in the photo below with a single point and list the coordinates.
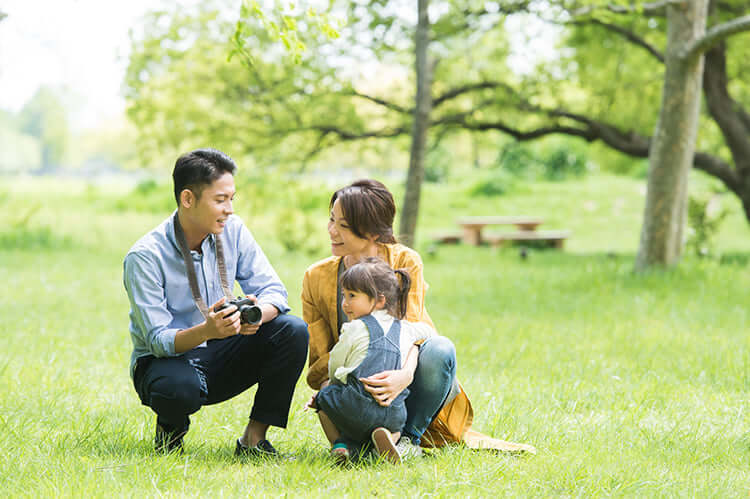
(297, 231)
(147, 196)
(496, 182)
(561, 164)
(437, 164)
(283, 24)
(45, 118)
(19, 232)
(704, 221)
(556, 161)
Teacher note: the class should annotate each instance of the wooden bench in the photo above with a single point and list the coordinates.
(472, 226)
(552, 238)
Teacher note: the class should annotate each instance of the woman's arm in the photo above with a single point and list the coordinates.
(321, 336)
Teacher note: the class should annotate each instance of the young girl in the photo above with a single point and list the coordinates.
(375, 340)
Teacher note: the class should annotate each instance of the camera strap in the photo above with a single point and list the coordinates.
(190, 268)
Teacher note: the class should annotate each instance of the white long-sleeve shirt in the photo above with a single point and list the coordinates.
(351, 348)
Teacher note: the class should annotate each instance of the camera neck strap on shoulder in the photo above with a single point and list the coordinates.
(190, 268)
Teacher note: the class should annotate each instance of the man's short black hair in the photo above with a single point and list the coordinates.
(196, 169)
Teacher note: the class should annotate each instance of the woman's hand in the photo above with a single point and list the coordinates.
(385, 386)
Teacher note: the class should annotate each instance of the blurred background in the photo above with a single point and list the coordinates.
(523, 93)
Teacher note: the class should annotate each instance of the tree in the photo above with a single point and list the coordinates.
(673, 147)
(602, 86)
(421, 123)
(45, 118)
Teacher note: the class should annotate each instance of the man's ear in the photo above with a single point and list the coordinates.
(187, 198)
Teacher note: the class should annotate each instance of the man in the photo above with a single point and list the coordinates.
(186, 354)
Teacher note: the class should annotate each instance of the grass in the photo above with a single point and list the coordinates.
(628, 385)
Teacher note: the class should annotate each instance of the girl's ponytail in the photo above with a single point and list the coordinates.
(403, 291)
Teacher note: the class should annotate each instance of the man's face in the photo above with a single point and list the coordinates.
(209, 213)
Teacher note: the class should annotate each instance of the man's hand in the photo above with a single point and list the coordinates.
(222, 323)
(250, 329)
(386, 385)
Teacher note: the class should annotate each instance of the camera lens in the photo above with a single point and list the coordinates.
(250, 314)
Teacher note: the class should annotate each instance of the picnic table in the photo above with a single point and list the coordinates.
(471, 231)
(472, 226)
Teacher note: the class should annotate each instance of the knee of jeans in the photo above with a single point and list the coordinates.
(298, 330)
(438, 353)
(176, 403)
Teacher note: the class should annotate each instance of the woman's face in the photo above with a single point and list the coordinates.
(343, 241)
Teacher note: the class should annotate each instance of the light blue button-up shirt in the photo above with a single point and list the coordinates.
(161, 303)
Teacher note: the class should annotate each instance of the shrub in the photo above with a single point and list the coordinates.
(561, 163)
(437, 165)
(704, 220)
(147, 196)
(297, 231)
(518, 160)
(494, 183)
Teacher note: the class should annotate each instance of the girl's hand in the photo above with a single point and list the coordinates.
(385, 386)
(310, 404)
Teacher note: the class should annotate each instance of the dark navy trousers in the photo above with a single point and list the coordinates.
(175, 387)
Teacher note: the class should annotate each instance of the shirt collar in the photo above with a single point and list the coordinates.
(172, 237)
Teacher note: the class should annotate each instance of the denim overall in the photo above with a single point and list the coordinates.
(352, 409)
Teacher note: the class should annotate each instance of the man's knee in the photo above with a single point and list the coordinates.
(173, 398)
(295, 333)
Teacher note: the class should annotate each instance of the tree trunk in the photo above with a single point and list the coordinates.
(673, 146)
(410, 209)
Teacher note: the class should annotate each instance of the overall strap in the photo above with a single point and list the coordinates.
(373, 326)
(190, 269)
(394, 333)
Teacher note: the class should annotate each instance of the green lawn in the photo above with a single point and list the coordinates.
(626, 384)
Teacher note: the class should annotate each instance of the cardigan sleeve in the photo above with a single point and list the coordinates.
(321, 335)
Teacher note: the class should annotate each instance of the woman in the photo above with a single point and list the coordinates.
(438, 410)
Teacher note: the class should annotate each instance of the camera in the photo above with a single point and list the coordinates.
(250, 313)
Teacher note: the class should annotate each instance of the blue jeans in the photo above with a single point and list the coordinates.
(434, 380)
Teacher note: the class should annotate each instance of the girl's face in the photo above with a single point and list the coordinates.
(357, 304)
(343, 240)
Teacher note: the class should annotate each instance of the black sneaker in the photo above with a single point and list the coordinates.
(262, 449)
(166, 442)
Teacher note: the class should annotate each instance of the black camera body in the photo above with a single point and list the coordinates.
(250, 313)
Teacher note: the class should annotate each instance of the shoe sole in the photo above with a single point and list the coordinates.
(381, 438)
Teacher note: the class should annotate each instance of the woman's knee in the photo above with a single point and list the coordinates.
(438, 354)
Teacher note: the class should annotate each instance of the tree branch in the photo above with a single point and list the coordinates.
(627, 34)
(655, 8)
(345, 135)
(715, 35)
(377, 100)
(469, 87)
(718, 168)
(627, 142)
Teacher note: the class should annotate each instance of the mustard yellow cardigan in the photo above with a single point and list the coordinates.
(319, 310)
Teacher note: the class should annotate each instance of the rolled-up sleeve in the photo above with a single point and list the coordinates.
(256, 275)
(148, 305)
